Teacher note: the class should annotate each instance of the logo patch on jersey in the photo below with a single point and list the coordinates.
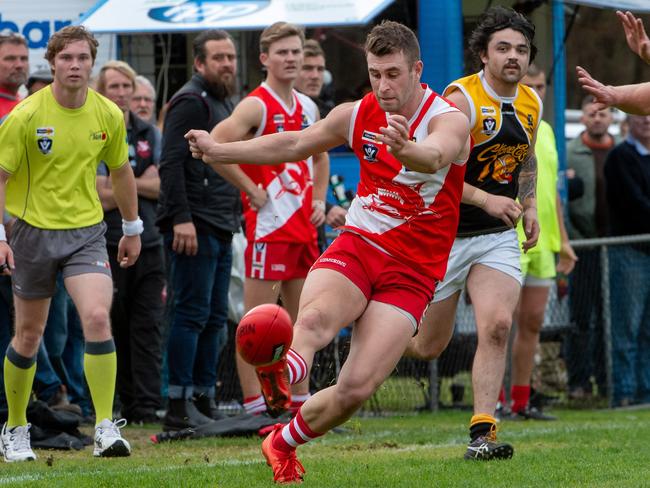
(305, 122)
(370, 152)
(45, 131)
(278, 120)
(370, 137)
(278, 267)
(99, 135)
(488, 111)
(44, 145)
(143, 149)
(489, 126)
(501, 161)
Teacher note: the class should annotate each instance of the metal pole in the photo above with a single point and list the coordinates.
(607, 321)
(559, 92)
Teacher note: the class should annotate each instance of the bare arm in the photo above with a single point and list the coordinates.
(527, 196)
(321, 182)
(275, 148)
(125, 194)
(321, 174)
(633, 99)
(528, 179)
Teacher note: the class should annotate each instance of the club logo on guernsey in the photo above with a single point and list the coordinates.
(370, 152)
(305, 122)
(489, 126)
(45, 145)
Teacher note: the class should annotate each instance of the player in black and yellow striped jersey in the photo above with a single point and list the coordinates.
(501, 169)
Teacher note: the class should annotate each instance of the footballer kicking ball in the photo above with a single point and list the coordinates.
(264, 334)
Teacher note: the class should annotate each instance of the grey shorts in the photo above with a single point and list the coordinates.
(39, 254)
(498, 251)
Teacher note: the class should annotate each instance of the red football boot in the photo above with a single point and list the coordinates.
(275, 386)
(285, 465)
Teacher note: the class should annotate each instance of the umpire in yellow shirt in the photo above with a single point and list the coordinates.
(50, 146)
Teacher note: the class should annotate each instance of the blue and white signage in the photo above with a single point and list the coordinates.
(37, 20)
(108, 16)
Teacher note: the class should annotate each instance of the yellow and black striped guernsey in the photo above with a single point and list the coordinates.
(502, 129)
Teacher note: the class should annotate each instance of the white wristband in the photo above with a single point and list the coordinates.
(132, 227)
(3, 234)
(319, 204)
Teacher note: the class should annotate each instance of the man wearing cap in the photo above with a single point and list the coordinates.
(39, 79)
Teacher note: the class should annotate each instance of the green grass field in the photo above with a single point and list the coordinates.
(584, 448)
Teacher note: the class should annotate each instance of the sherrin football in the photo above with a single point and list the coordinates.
(264, 334)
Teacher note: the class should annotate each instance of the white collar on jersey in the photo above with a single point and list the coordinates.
(492, 93)
(291, 110)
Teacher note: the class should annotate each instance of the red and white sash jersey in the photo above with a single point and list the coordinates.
(285, 216)
(410, 215)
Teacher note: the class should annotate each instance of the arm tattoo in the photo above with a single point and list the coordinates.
(528, 179)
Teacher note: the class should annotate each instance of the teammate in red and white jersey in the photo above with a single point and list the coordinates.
(381, 271)
(283, 204)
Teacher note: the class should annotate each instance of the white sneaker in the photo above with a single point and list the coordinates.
(14, 444)
(109, 441)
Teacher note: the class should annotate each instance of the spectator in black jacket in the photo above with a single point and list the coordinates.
(136, 313)
(627, 173)
(198, 214)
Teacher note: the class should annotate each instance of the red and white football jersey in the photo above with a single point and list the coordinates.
(410, 215)
(285, 216)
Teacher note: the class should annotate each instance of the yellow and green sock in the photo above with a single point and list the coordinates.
(19, 378)
(100, 366)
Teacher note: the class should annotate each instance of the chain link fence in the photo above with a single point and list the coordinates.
(594, 349)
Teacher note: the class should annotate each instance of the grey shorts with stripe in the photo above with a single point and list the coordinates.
(39, 254)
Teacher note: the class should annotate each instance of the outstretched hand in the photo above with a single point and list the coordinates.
(635, 35)
(605, 95)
